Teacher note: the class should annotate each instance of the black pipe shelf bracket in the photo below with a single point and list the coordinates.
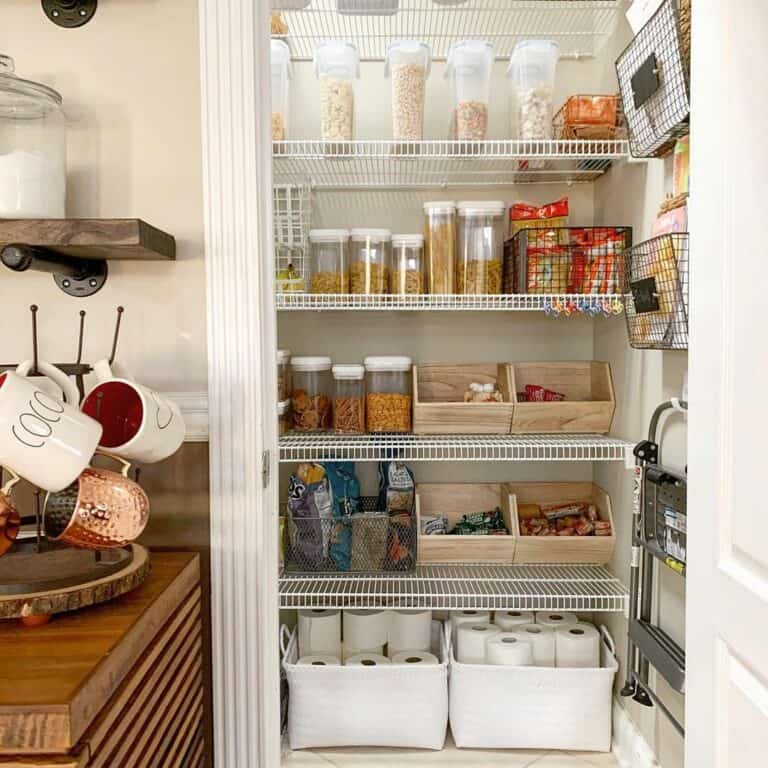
(69, 13)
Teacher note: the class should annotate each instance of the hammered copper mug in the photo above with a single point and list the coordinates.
(100, 510)
(10, 520)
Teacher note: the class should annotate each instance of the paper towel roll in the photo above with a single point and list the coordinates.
(542, 640)
(319, 632)
(555, 619)
(471, 640)
(508, 620)
(409, 631)
(509, 650)
(319, 660)
(366, 660)
(415, 657)
(468, 617)
(348, 653)
(577, 645)
(365, 629)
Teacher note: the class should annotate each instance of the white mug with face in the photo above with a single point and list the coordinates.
(43, 439)
(139, 424)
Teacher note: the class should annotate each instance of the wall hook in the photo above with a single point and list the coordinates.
(115, 338)
(33, 310)
(80, 337)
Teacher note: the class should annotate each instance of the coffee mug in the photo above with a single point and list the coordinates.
(100, 510)
(10, 520)
(138, 424)
(43, 439)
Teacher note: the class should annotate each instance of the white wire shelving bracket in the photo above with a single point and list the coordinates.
(579, 26)
(295, 447)
(581, 588)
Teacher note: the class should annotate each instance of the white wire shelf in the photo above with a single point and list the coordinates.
(579, 26)
(440, 163)
(296, 447)
(581, 588)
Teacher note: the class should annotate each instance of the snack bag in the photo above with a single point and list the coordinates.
(397, 493)
(549, 216)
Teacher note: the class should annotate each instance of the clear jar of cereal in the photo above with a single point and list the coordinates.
(283, 374)
(311, 393)
(440, 247)
(480, 236)
(337, 66)
(330, 260)
(407, 276)
(283, 417)
(469, 71)
(349, 399)
(388, 394)
(369, 261)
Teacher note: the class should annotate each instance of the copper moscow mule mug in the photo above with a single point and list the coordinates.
(10, 520)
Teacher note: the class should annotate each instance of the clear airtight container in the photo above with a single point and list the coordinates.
(369, 261)
(311, 393)
(407, 276)
(531, 76)
(349, 399)
(330, 260)
(388, 394)
(33, 158)
(440, 246)
(283, 417)
(337, 66)
(408, 64)
(283, 374)
(469, 72)
(480, 247)
(281, 73)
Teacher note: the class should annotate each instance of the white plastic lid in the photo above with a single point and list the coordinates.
(337, 57)
(533, 53)
(388, 363)
(440, 206)
(353, 372)
(310, 364)
(410, 241)
(409, 48)
(469, 57)
(280, 56)
(379, 235)
(283, 355)
(282, 407)
(481, 207)
(328, 235)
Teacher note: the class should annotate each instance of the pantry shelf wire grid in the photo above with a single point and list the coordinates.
(580, 588)
(291, 218)
(295, 447)
(579, 26)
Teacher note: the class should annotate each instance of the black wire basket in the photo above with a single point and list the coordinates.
(656, 292)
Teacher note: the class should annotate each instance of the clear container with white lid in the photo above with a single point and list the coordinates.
(283, 417)
(330, 260)
(480, 246)
(407, 275)
(281, 74)
(369, 261)
(469, 71)
(531, 76)
(408, 64)
(283, 374)
(388, 401)
(349, 399)
(440, 247)
(311, 393)
(337, 66)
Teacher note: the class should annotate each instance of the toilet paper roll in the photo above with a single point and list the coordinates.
(471, 640)
(577, 645)
(348, 653)
(319, 660)
(415, 657)
(367, 660)
(542, 640)
(468, 617)
(508, 650)
(409, 631)
(365, 629)
(555, 619)
(319, 632)
(509, 620)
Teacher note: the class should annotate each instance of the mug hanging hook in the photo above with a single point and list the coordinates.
(33, 310)
(80, 337)
(115, 338)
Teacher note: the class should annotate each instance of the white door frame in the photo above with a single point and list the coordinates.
(242, 388)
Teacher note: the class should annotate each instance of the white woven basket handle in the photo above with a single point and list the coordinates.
(285, 639)
(608, 639)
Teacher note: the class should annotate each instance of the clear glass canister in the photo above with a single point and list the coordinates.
(349, 399)
(469, 72)
(440, 246)
(531, 76)
(337, 66)
(369, 260)
(407, 276)
(311, 393)
(408, 64)
(330, 262)
(283, 417)
(283, 374)
(480, 235)
(388, 394)
(33, 159)
(281, 73)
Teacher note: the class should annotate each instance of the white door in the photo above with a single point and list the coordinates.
(727, 611)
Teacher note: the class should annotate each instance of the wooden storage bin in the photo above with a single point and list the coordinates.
(589, 397)
(438, 400)
(560, 549)
(452, 500)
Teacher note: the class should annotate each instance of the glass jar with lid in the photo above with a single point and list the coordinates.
(440, 246)
(337, 66)
(480, 235)
(388, 398)
(369, 261)
(33, 165)
(407, 276)
(349, 399)
(311, 393)
(329, 260)
(283, 374)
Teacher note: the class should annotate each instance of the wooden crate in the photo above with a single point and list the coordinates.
(560, 549)
(438, 399)
(589, 397)
(452, 500)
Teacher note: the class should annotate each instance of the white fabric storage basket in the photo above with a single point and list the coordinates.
(533, 707)
(387, 706)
